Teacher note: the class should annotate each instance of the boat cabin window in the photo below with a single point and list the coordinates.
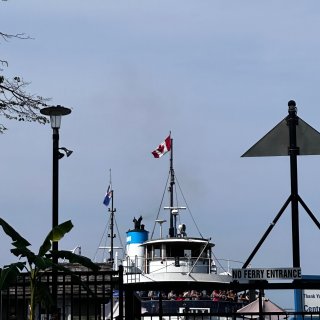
(187, 253)
(157, 252)
(154, 252)
(192, 251)
(172, 250)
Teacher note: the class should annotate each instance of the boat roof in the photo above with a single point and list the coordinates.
(178, 240)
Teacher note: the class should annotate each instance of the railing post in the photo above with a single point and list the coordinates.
(120, 292)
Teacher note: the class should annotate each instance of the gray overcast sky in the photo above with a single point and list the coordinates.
(218, 74)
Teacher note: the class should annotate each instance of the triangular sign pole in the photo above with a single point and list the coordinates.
(282, 140)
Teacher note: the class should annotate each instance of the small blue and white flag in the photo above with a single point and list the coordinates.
(108, 196)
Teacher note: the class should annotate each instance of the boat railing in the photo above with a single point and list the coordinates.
(141, 265)
(133, 265)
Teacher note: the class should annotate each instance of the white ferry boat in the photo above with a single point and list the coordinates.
(174, 273)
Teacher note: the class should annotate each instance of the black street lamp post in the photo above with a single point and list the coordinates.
(55, 114)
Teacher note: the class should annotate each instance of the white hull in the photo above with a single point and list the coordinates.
(176, 277)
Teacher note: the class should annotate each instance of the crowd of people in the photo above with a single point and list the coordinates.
(215, 295)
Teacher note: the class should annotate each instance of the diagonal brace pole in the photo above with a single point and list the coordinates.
(305, 207)
(267, 233)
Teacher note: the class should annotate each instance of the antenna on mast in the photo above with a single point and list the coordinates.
(174, 211)
(161, 221)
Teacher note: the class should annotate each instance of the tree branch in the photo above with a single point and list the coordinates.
(17, 104)
(7, 36)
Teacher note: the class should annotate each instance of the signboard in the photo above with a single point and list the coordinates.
(308, 300)
(266, 274)
(311, 300)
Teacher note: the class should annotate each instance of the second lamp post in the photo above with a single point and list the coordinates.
(55, 114)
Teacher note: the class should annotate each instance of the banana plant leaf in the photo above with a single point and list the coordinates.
(23, 252)
(38, 264)
(75, 258)
(18, 240)
(43, 263)
(56, 234)
(9, 273)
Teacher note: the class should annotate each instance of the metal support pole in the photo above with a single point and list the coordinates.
(292, 121)
(111, 295)
(171, 229)
(111, 252)
(129, 303)
(55, 114)
(261, 304)
(55, 207)
(121, 289)
(111, 230)
(160, 306)
(55, 183)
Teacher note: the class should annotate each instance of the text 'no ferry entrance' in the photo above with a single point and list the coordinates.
(266, 274)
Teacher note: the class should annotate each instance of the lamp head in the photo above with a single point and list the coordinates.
(55, 114)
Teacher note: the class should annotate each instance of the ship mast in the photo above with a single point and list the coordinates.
(112, 210)
(172, 182)
(174, 210)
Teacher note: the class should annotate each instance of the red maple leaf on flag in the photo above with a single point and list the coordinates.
(161, 148)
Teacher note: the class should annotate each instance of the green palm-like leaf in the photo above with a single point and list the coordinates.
(9, 274)
(75, 258)
(24, 252)
(56, 234)
(18, 241)
(59, 231)
(42, 263)
(38, 264)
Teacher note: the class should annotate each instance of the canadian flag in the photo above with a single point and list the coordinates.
(163, 148)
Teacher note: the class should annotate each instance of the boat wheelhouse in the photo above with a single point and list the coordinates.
(179, 258)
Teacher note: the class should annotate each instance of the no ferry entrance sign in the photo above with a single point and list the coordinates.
(266, 274)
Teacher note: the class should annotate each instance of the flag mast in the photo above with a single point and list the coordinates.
(163, 148)
(112, 210)
(172, 182)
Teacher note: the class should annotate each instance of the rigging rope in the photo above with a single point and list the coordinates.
(176, 196)
(103, 236)
(121, 243)
(188, 207)
(165, 188)
(218, 262)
